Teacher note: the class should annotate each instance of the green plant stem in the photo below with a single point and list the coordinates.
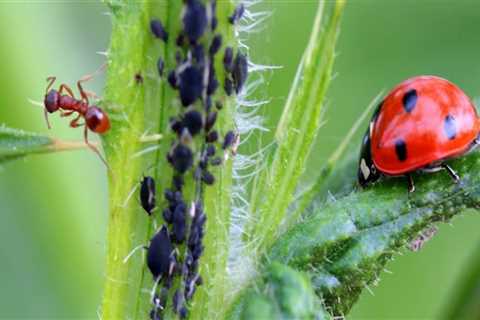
(124, 100)
(298, 125)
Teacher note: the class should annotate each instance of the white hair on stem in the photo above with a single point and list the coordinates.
(246, 167)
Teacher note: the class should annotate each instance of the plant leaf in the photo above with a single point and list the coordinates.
(16, 144)
(345, 244)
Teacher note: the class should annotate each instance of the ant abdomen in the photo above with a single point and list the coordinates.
(97, 120)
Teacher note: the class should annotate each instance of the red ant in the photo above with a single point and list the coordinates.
(95, 118)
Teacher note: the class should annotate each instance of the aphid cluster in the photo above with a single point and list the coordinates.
(177, 246)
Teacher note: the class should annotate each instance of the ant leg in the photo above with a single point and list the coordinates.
(451, 173)
(93, 148)
(50, 80)
(85, 94)
(411, 185)
(74, 122)
(66, 88)
(46, 118)
(66, 114)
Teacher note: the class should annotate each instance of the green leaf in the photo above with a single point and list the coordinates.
(284, 294)
(345, 244)
(16, 144)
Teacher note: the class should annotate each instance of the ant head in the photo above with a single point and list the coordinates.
(51, 101)
(97, 120)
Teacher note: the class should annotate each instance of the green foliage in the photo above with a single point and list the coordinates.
(15, 144)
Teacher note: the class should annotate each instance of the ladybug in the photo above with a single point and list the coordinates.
(421, 123)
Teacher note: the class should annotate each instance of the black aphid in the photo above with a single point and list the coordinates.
(216, 161)
(210, 150)
(147, 194)
(198, 53)
(172, 79)
(158, 30)
(182, 158)
(228, 140)
(214, 21)
(192, 120)
(180, 41)
(240, 71)
(169, 195)
(160, 66)
(176, 126)
(228, 86)
(138, 78)
(212, 82)
(237, 14)
(194, 20)
(216, 44)
(228, 59)
(218, 105)
(178, 182)
(160, 256)
(210, 122)
(167, 215)
(178, 57)
(208, 178)
(191, 85)
(212, 136)
(178, 223)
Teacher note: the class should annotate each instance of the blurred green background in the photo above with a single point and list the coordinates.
(53, 208)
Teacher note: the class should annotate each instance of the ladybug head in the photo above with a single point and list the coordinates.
(367, 172)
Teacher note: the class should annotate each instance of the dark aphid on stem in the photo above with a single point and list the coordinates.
(182, 158)
(228, 86)
(194, 20)
(228, 140)
(176, 126)
(218, 105)
(198, 54)
(158, 30)
(214, 20)
(208, 178)
(228, 59)
(240, 71)
(169, 195)
(160, 66)
(191, 85)
(138, 78)
(167, 215)
(179, 223)
(210, 151)
(212, 136)
(212, 82)
(208, 103)
(160, 254)
(193, 121)
(210, 122)
(172, 79)
(237, 14)
(147, 194)
(178, 182)
(216, 161)
(216, 44)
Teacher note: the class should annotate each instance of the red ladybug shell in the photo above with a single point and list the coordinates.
(422, 121)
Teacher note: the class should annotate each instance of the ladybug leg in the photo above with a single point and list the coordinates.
(411, 185)
(451, 173)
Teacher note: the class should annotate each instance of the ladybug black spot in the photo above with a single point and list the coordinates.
(450, 127)
(401, 150)
(410, 100)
